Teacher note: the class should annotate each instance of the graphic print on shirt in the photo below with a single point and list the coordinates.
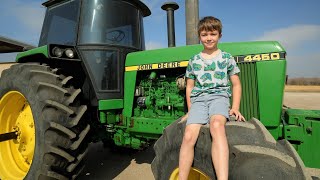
(230, 68)
(211, 76)
(220, 85)
(197, 84)
(212, 67)
(208, 85)
(192, 76)
(222, 64)
(226, 56)
(206, 76)
(196, 67)
(197, 57)
(189, 68)
(219, 75)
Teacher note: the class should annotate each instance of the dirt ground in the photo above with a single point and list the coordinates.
(103, 164)
(308, 100)
(4, 66)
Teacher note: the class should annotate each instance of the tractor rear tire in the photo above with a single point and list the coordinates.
(253, 154)
(60, 132)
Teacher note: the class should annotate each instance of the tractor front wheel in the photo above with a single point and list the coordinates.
(42, 112)
(253, 154)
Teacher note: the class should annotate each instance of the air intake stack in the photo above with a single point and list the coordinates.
(170, 7)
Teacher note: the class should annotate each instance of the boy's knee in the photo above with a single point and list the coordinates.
(190, 138)
(217, 122)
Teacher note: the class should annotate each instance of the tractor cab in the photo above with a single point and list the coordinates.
(102, 33)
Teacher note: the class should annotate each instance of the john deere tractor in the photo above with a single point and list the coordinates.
(90, 80)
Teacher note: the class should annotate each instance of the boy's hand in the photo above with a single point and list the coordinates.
(184, 117)
(238, 115)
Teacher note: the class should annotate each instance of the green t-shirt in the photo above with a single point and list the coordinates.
(212, 75)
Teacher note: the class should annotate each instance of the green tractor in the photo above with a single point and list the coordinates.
(90, 80)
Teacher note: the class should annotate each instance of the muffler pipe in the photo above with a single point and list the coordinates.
(170, 7)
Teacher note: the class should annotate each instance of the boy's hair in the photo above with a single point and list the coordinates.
(209, 23)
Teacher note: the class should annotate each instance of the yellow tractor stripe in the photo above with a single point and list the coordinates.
(154, 66)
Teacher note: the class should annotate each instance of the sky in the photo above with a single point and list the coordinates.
(294, 23)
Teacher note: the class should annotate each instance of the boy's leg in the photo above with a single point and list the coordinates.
(220, 149)
(187, 150)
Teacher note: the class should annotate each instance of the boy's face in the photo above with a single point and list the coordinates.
(210, 39)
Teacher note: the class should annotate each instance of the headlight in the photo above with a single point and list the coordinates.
(69, 53)
(57, 52)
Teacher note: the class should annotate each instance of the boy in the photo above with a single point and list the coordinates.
(207, 92)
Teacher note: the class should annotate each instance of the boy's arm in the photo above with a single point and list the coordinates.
(236, 97)
(190, 85)
(236, 91)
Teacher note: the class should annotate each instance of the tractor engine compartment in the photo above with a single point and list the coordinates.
(160, 94)
(159, 99)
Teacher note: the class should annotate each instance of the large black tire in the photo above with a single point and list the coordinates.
(60, 127)
(254, 154)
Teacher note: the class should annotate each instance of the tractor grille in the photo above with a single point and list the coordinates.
(249, 106)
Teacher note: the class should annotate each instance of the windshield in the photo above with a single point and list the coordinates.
(111, 22)
(60, 24)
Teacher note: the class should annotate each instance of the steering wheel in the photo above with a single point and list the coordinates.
(115, 36)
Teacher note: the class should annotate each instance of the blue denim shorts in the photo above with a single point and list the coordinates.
(206, 105)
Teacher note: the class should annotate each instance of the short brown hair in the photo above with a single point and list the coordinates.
(209, 23)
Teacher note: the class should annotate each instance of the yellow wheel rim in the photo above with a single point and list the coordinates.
(194, 174)
(16, 155)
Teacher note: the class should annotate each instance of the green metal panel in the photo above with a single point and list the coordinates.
(129, 88)
(149, 125)
(110, 104)
(271, 81)
(186, 52)
(302, 129)
(39, 50)
(105, 106)
(249, 106)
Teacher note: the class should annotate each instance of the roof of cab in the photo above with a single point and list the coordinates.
(145, 10)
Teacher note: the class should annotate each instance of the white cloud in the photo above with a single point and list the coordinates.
(292, 37)
(302, 44)
(154, 45)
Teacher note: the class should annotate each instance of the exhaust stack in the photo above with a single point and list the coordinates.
(192, 19)
(170, 7)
